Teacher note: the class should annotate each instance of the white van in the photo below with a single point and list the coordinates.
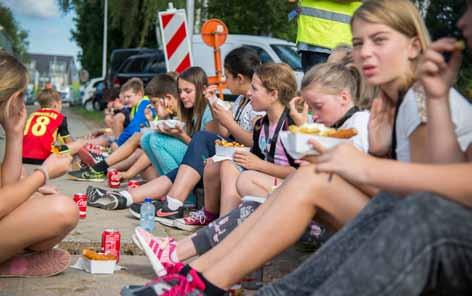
(269, 50)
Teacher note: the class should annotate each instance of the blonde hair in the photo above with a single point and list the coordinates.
(48, 97)
(279, 77)
(14, 78)
(134, 84)
(400, 15)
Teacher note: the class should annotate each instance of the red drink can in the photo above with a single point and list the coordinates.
(113, 178)
(133, 184)
(111, 242)
(81, 201)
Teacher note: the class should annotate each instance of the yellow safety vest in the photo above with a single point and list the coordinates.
(135, 108)
(325, 23)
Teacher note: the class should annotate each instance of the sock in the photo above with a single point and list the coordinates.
(210, 289)
(173, 203)
(101, 166)
(129, 198)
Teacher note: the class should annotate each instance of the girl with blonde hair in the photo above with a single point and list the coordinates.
(30, 224)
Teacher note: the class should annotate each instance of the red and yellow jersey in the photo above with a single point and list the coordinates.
(40, 133)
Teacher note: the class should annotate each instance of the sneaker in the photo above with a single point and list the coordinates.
(103, 199)
(166, 216)
(313, 238)
(87, 174)
(135, 209)
(195, 220)
(36, 264)
(159, 251)
(170, 285)
(91, 154)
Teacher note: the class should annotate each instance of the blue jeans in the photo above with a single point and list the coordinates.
(418, 245)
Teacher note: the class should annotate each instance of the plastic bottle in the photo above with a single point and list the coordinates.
(147, 215)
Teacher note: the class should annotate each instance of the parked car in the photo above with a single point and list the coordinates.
(89, 93)
(118, 57)
(143, 66)
(269, 50)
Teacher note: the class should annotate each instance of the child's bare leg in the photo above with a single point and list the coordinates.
(255, 183)
(156, 188)
(229, 195)
(117, 125)
(338, 198)
(185, 249)
(56, 215)
(212, 185)
(136, 167)
(149, 173)
(125, 150)
(128, 162)
(187, 178)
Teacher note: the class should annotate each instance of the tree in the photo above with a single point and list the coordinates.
(17, 36)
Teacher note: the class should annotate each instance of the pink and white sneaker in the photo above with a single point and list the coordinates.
(161, 252)
(195, 220)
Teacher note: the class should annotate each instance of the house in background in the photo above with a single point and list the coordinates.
(59, 70)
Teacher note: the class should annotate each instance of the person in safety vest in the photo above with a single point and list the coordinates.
(322, 25)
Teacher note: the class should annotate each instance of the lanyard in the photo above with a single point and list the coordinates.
(272, 142)
(240, 109)
(346, 116)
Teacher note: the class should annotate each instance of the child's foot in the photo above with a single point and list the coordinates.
(104, 199)
(160, 251)
(195, 220)
(36, 264)
(87, 174)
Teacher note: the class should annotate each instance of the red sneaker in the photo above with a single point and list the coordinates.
(195, 220)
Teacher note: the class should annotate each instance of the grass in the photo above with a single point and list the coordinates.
(96, 116)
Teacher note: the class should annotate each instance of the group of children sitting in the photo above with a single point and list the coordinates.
(396, 198)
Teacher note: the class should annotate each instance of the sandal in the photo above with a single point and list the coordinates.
(36, 264)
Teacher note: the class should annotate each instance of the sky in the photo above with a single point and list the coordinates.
(48, 28)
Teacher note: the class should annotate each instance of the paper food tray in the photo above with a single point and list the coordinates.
(227, 152)
(170, 123)
(99, 266)
(297, 145)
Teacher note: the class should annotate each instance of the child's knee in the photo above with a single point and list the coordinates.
(64, 211)
(245, 183)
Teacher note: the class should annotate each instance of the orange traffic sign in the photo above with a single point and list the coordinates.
(214, 33)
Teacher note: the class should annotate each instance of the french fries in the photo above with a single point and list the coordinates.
(324, 132)
(92, 255)
(224, 143)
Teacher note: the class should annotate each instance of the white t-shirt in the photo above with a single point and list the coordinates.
(245, 117)
(410, 117)
(359, 121)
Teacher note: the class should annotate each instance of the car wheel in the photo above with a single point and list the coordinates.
(88, 105)
(96, 105)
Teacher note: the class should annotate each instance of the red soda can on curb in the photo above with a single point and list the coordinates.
(81, 201)
(111, 243)
(113, 178)
(133, 184)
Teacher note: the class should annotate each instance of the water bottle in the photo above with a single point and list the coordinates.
(147, 215)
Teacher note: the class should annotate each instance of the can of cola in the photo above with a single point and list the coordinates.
(133, 184)
(111, 242)
(81, 201)
(113, 178)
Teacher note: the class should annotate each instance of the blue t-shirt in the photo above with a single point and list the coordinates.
(138, 119)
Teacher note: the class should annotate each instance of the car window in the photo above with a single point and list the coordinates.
(156, 65)
(289, 55)
(134, 65)
(118, 57)
(263, 55)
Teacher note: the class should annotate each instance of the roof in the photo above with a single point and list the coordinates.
(251, 38)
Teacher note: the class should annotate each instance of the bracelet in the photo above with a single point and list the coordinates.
(44, 172)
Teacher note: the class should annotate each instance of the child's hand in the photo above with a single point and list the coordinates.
(148, 113)
(435, 74)
(210, 93)
(298, 110)
(48, 189)
(57, 165)
(224, 116)
(15, 123)
(346, 161)
(177, 131)
(247, 160)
